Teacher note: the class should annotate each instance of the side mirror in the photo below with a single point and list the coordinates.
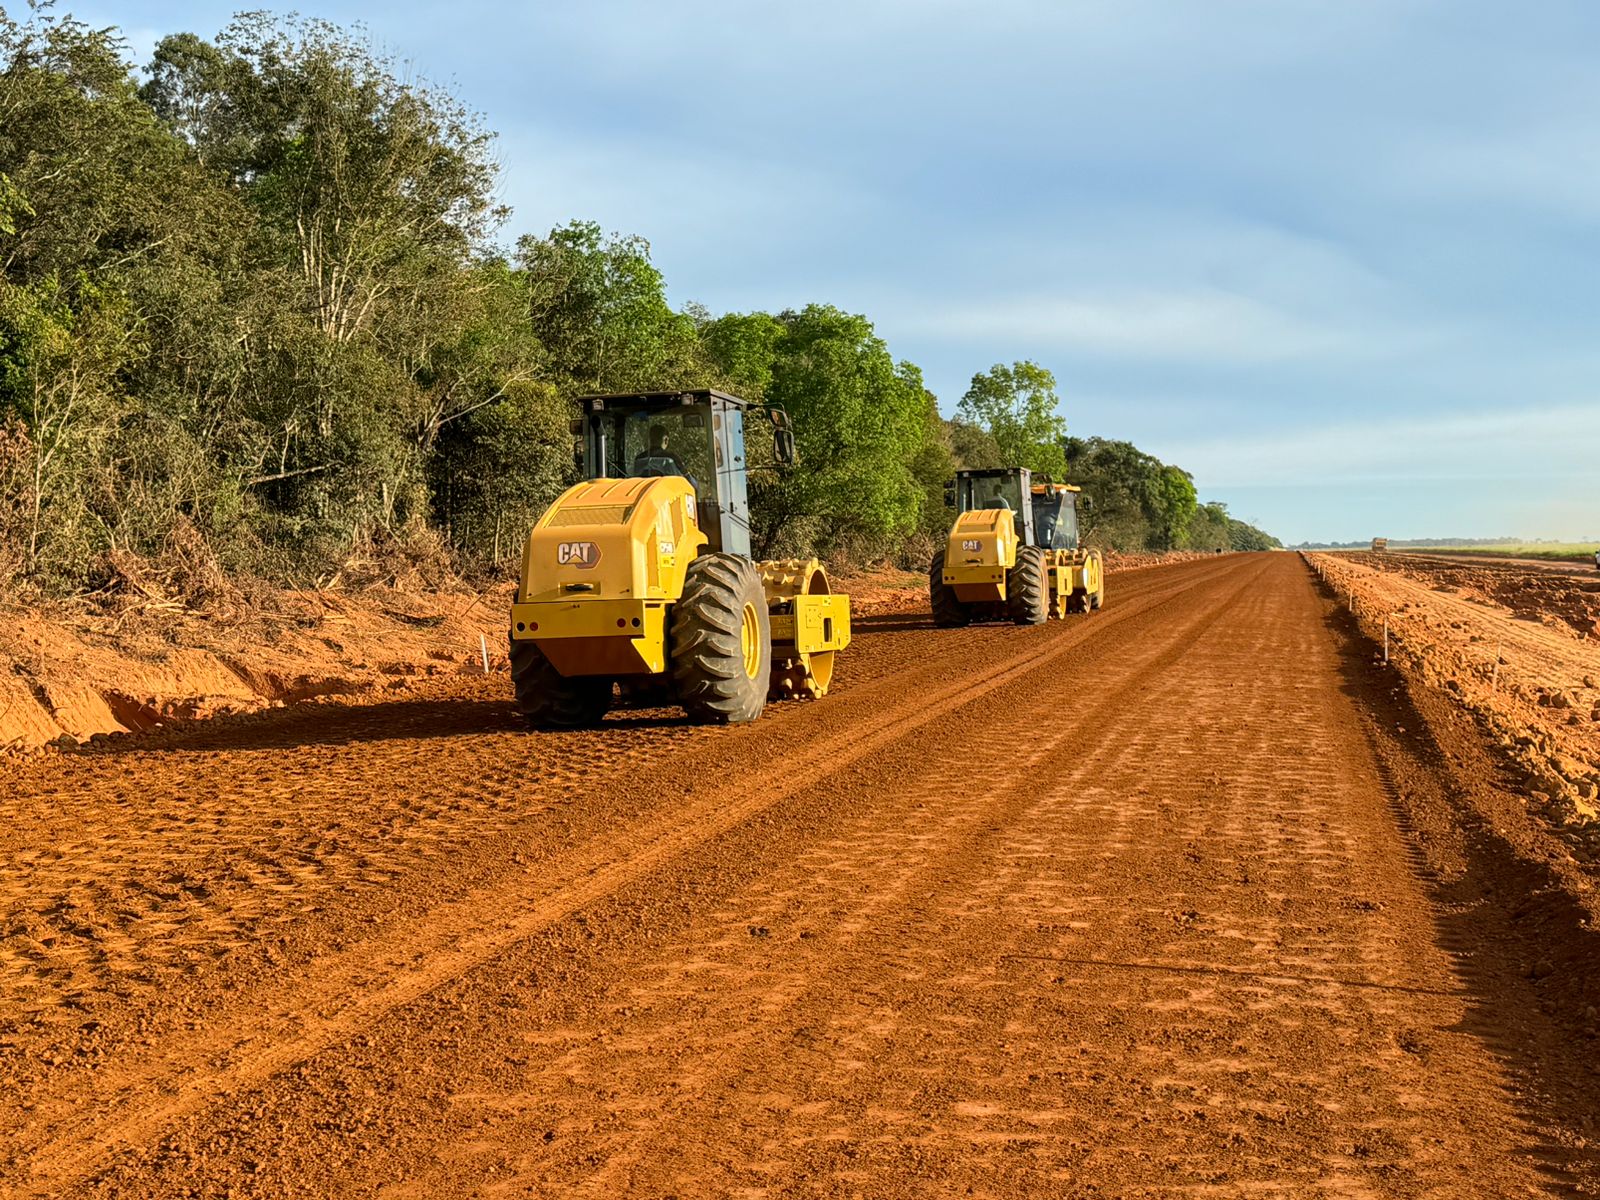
(949, 495)
(576, 425)
(783, 448)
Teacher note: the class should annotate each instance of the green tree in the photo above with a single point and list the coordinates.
(742, 348)
(498, 468)
(599, 309)
(860, 420)
(1209, 530)
(974, 447)
(1244, 536)
(12, 205)
(372, 197)
(1172, 503)
(1019, 408)
(58, 365)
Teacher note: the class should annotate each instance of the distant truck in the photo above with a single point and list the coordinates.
(1380, 543)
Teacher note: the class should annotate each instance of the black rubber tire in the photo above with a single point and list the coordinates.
(1027, 596)
(547, 699)
(948, 611)
(707, 664)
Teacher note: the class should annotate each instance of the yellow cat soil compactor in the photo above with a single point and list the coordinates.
(1013, 553)
(641, 575)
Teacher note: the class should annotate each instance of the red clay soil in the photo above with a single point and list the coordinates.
(72, 674)
(1531, 590)
(1511, 646)
(1187, 897)
(1583, 566)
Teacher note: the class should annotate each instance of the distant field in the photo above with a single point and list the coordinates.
(1553, 551)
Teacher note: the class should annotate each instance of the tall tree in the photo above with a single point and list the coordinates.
(599, 308)
(373, 198)
(859, 417)
(1019, 408)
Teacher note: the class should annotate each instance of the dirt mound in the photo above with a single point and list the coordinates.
(883, 590)
(68, 676)
(1532, 592)
(1514, 646)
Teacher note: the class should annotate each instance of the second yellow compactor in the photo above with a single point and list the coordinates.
(1013, 553)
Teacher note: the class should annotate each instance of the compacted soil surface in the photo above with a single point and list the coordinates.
(1189, 897)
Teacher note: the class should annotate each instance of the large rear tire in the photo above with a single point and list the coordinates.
(722, 641)
(547, 699)
(948, 611)
(1027, 590)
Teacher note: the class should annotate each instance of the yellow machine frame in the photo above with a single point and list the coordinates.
(599, 570)
(606, 561)
(1073, 573)
(982, 549)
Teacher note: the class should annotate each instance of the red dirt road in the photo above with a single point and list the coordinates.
(1180, 899)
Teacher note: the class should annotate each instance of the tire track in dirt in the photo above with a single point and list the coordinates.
(126, 876)
(358, 986)
(904, 859)
(1160, 957)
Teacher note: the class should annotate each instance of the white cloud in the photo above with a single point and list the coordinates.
(1540, 444)
(1543, 164)
(694, 202)
(1195, 325)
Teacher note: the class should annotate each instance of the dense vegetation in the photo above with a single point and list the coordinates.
(255, 320)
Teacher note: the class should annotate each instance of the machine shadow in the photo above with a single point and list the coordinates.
(323, 724)
(1492, 918)
(346, 724)
(891, 623)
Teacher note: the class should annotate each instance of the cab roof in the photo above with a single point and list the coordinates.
(1039, 484)
(661, 399)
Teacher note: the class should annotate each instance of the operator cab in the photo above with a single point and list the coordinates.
(1055, 515)
(698, 435)
(1001, 487)
(1046, 512)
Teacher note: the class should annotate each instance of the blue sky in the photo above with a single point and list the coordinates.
(1337, 259)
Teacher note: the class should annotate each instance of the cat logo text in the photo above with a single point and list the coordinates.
(582, 555)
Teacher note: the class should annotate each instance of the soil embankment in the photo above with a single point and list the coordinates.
(68, 674)
(1518, 647)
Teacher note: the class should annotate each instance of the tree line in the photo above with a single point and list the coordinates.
(256, 318)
